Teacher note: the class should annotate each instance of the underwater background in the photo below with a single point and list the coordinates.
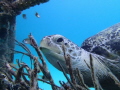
(75, 19)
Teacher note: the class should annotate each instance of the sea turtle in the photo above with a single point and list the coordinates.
(103, 47)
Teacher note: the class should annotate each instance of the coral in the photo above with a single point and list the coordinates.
(20, 82)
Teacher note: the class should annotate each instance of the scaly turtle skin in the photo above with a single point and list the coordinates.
(107, 40)
(51, 46)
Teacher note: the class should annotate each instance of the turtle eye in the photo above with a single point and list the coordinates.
(59, 39)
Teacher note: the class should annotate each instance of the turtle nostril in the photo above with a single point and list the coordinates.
(49, 43)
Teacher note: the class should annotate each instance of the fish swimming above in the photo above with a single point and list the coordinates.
(37, 15)
(24, 16)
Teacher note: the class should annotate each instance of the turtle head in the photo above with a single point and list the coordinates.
(51, 47)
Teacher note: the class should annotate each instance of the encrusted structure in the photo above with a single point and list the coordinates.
(9, 9)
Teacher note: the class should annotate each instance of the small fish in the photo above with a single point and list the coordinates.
(37, 15)
(30, 41)
(24, 16)
(26, 41)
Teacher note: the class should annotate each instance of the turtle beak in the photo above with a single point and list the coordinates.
(43, 43)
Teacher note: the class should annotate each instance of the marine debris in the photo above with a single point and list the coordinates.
(25, 77)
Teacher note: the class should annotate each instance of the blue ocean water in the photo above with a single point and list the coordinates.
(74, 19)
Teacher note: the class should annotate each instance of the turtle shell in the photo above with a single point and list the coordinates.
(105, 43)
